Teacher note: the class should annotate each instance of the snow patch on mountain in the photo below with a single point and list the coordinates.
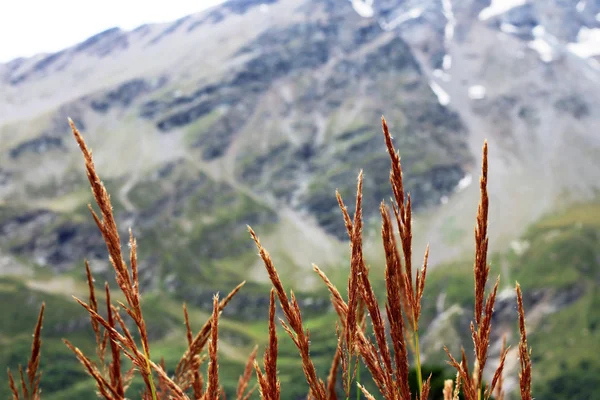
(498, 7)
(364, 8)
(508, 28)
(442, 95)
(588, 43)
(477, 92)
(400, 19)
(451, 24)
(464, 183)
(542, 44)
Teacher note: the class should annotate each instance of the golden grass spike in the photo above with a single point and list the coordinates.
(496, 385)
(24, 389)
(499, 390)
(163, 390)
(347, 220)
(469, 391)
(448, 386)
(130, 349)
(129, 284)
(426, 388)
(295, 329)
(366, 349)
(245, 377)
(524, 352)
(194, 374)
(263, 386)
(481, 268)
(94, 306)
(34, 359)
(481, 337)
(368, 395)
(107, 225)
(12, 385)
(116, 378)
(212, 387)
(186, 362)
(356, 268)
(104, 387)
(270, 358)
(332, 377)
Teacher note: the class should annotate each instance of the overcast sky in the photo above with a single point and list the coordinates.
(28, 27)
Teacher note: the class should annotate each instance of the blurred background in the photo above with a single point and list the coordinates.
(205, 116)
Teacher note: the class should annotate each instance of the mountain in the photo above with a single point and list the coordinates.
(255, 112)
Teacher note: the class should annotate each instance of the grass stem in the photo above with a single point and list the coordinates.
(418, 356)
(149, 372)
(358, 380)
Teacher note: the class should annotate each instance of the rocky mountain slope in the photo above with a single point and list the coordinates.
(255, 112)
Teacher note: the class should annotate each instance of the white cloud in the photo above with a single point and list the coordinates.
(29, 27)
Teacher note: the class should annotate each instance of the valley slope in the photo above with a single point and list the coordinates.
(255, 112)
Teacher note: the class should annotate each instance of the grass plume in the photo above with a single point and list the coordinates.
(384, 352)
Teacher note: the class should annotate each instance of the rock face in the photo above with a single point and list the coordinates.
(255, 112)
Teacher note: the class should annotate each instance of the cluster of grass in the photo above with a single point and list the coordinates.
(561, 261)
(365, 361)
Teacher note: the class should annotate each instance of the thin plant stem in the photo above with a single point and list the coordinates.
(358, 380)
(149, 369)
(418, 355)
(349, 377)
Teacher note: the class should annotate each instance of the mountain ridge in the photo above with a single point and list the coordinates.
(256, 112)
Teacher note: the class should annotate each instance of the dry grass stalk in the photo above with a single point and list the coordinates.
(481, 328)
(30, 381)
(112, 373)
(448, 386)
(356, 266)
(130, 349)
(333, 371)
(188, 361)
(94, 305)
(245, 377)
(391, 381)
(364, 391)
(426, 388)
(524, 352)
(33, 375)
(195, 380)
(499, 392)
(212, 386)
(269, 385)
(293, 327)
(393, 276)
(360, 297)
(128, 283)
(367, 350)
(13, 386)
(105, 389)
(389, 373)
(412, 293)
(457, 387)
(116, 378)
(163, 389)
(23, 384)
